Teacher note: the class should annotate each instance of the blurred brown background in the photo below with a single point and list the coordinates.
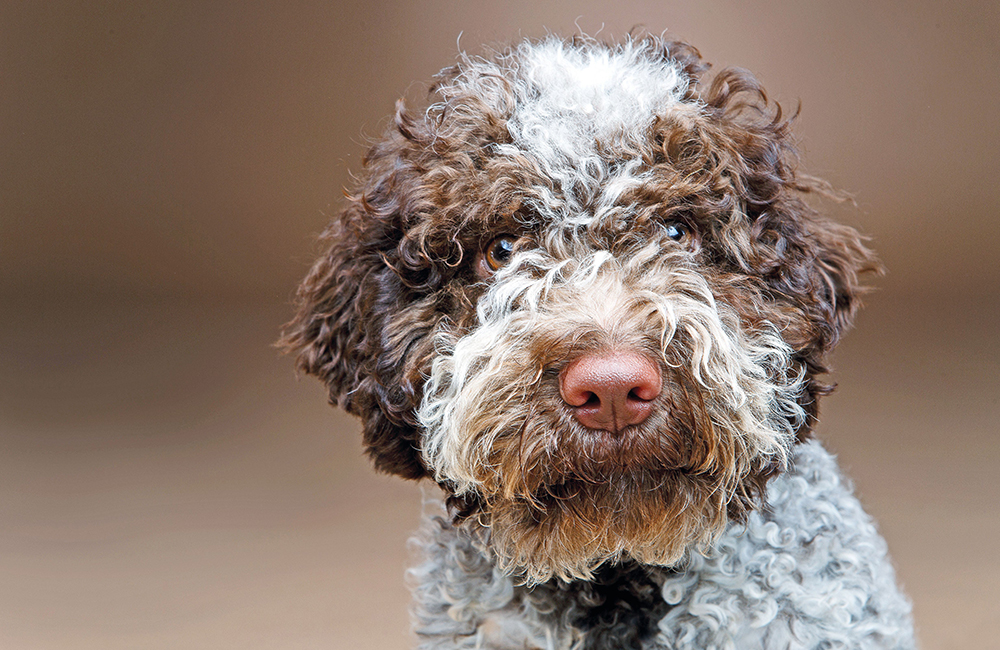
(164, 480)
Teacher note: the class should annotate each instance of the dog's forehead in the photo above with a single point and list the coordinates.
(577, 116)
(571, 100)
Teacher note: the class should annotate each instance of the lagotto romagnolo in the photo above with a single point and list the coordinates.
(581, 291)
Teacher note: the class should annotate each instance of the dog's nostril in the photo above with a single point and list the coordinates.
(632, 394)
(610, 390)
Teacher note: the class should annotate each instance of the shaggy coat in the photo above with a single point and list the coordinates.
(569, 202)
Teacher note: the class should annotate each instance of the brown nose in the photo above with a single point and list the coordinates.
(610, 390)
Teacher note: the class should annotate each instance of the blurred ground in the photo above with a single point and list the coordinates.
(165, 482)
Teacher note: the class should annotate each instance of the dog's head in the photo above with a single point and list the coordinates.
(583, 293)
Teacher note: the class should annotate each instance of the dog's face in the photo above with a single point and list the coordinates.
(583, 294)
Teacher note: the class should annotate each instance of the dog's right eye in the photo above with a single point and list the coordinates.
(500, 250)
(496, 255)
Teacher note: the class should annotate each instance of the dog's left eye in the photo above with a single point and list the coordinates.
(678, 231)
(500, 250)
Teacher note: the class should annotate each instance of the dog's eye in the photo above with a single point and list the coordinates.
(499, 252)
(678, 232)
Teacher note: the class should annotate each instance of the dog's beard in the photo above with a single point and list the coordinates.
(564, 499)
(560, 499)
(577, 526)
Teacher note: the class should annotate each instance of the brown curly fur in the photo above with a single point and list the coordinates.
(399, 263)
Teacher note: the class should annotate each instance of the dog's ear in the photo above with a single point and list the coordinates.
(809, 267)
(838, 258)
(327, 333)
(813, 265)
(342, 331)
(812, 261)
(812, 270)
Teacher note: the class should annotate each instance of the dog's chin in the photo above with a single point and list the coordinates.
(560, 500)
(570, 529)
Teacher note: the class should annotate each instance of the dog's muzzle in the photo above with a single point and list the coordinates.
(606, 405)
(612, 344)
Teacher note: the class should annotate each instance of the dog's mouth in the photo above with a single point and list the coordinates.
(612, 491)
(569, 528)
(563, 504)
(593, 470)
(553, 455)
(599, 458)
(595, 455)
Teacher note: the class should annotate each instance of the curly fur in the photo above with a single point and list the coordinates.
(807, 571)
(645, 209)
(515, 457)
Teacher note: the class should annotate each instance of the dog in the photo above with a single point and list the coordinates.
(583, 293)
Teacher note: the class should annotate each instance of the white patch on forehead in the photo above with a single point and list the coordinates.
(571, 98)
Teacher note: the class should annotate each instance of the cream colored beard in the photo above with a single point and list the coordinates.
(480, 395)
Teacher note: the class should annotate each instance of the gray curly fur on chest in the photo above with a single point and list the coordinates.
(808, 571)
